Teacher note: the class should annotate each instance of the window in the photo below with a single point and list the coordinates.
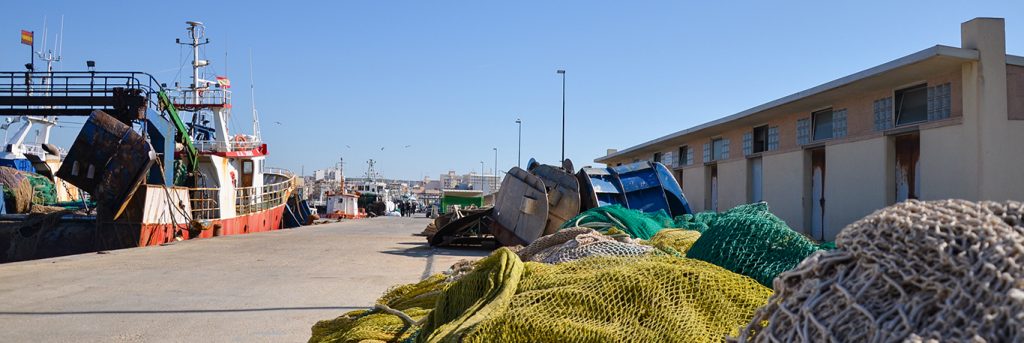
(684, 156)
(760, 139)
(657, 157)
(718, 149)
(911, 105)
(822, 122)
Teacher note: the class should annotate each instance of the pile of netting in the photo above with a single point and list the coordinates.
(595, 288)
(23, 189)
(393, 318)
(948, 270)
(579, 242)
(632, 222)
(748, 240)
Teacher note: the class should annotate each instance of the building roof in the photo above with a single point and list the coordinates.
(936, 56)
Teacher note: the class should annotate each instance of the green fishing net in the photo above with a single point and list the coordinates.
(634, 223)
(748, 240)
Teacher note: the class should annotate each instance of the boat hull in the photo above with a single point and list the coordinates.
(261, 221)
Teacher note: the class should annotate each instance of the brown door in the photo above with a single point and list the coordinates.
(818, 194)
(247, 172)
(908, 173)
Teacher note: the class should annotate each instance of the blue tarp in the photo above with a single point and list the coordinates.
(19, 164)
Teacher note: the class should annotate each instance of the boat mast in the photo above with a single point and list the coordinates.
(252, 90)
(195, 33)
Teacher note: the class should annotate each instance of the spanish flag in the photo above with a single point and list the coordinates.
(26, 37)
(223, 82)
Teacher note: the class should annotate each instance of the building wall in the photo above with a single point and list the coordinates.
(785, 182)
(856, 175)
(999, 140)
(694, 188)
(974, 154)
(1015, 91)
(732, 184)
(947, 164)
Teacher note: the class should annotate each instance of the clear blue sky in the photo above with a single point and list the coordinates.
(450, 78)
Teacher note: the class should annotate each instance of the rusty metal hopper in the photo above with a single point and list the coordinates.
(563, 195)
(108, 159)
(520, 209)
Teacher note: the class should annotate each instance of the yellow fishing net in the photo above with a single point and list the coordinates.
(378, 324)
(674, 240)
(654, 297)
(649, 298)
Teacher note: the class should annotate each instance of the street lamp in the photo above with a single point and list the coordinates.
(562, 71)
(493, 186)
(481, 175)
(519, 156)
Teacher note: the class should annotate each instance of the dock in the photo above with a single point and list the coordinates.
(265, 287)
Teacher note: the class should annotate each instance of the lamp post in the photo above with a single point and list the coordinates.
(519, 155)
(562, 71)
(493, 185)
(481, 175)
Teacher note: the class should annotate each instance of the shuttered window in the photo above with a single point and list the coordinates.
(707, 153)
(883, 114)
(939, 101)
(773, 138)
(803, 131)
(839, 123)
(748, 143)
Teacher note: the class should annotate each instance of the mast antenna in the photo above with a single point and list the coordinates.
(252, 90)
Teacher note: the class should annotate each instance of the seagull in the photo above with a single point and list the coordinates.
(278, 123)
(348, 146)
(407, 146)
(381, 148)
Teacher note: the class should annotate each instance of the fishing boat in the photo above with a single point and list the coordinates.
(154, 177)
(232, 191)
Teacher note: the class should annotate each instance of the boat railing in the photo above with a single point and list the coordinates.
(68, 92)
(188, 99)
(281, 171)
(255, 199)
(34, 149)
(233, 145)
(205, 203)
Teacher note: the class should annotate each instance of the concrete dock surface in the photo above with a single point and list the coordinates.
(264, 287)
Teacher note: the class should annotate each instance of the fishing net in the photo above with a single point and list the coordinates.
(635, 223)
(395, 314)
(579, 242)
(649, 298)
(947, 270)
(674, 241)
(751, 241)
(23, 189)
(43, 190)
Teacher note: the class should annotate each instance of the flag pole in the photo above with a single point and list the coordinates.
(33, 52)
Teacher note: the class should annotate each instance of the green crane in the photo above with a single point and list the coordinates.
(191, 154)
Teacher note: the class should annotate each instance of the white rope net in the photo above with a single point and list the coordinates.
(932, 271)
(578, 242)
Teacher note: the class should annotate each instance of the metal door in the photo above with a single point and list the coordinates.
(756, 173)
(818, 193)
(713, 203)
